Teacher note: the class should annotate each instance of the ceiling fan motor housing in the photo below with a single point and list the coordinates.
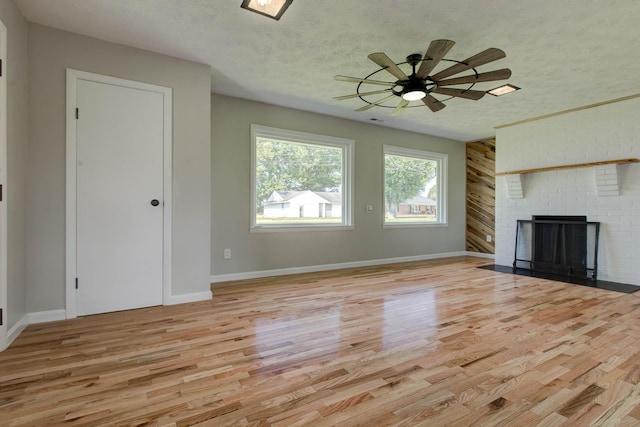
(415, 88)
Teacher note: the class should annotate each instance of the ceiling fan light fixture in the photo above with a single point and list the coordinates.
(414, 90)
(503, 90)
(273, 9)
(414, 95)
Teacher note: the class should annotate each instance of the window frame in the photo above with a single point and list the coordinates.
(347, 147)
(441, 185)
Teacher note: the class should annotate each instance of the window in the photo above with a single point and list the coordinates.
(414, 187)
(299, 180)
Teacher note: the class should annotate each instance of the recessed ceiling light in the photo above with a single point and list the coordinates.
(270, 8)
(503, 90)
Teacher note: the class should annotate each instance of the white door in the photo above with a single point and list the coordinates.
(119, 197)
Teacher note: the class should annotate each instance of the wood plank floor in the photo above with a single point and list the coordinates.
(434, 343)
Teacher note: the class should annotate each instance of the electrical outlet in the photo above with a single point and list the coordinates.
(369, 208)
(489, 238)
(227, 254)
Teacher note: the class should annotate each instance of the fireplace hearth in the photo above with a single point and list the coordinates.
(559, 248)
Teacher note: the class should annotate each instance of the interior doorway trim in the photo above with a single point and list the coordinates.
(4, 282)
(73, 76)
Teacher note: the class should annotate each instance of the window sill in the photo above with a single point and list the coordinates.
(415, 225)
(294, 228)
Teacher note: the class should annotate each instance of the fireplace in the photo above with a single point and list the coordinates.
(558, 245)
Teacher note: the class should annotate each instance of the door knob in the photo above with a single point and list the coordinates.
(155, 202)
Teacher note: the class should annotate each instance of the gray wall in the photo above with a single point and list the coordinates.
(50, 53)
(231, 120)
(17, 136)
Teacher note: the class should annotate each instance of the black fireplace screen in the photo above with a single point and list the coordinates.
(564, 245)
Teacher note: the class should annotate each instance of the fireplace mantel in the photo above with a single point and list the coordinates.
(606, 176)
(571, 166)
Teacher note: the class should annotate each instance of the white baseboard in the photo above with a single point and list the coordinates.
(16, 330)
(53, 315)
(46, 316)
(481, 255)
(30, 318)
(192, 297)
(325, 267)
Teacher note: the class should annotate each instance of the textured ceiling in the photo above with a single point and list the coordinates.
(563, 53)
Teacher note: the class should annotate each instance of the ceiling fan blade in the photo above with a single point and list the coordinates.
(373, 104)
(433, 104)
(436, 51)
(489, 76)
(361, 80)
(461, 93)
(385, 62)
(402, 105)
(356, 95)
(484, 57)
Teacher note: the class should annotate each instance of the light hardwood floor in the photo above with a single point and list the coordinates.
(434, 343)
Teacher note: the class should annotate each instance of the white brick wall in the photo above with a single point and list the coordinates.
(514, 186)
(603, 133)
(607, 180)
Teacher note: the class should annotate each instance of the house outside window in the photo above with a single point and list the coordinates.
(300, 180)
(414, 187)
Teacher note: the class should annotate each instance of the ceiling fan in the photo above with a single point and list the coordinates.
(420, 85)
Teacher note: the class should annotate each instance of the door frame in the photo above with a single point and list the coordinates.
(73, 76)
(4, 246)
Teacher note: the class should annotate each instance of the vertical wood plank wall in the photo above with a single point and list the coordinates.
(481, 195)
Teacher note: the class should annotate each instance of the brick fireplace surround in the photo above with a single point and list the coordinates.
(610, 195)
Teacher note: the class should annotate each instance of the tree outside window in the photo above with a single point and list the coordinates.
(414, 183)
(300, 179)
